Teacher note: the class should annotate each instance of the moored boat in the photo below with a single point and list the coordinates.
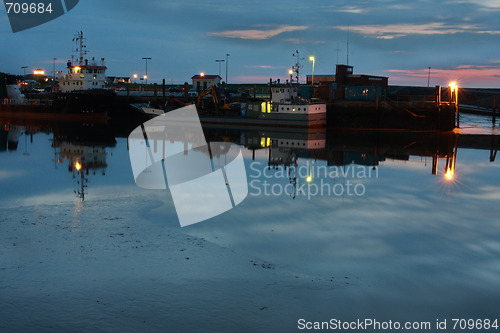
(79, 96)
(285, 108)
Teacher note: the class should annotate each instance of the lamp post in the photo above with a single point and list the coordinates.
(146, 77)
(312, 77)
(429, 78)
(135, 78)
(227, 61)
(55, 68)
(454, 100)
(219, 61)
(291, 75)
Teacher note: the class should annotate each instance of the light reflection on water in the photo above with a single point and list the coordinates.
(411, 234)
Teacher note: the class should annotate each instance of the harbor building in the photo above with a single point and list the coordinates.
(202, 81)
(345, 85)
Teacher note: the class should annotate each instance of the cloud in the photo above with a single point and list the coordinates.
(485, 4)
(400, 6)
(8, 174)
(489, 32)
(465, 75)
(352, 10)
(258, 34)
(263, 66)
(258, 78)
(390, 31)
(303, 41)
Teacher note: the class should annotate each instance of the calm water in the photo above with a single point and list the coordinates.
(382, 234)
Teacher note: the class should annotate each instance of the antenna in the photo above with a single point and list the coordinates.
(348, 28)
(297, 66)
(338, 50)
(81, 48)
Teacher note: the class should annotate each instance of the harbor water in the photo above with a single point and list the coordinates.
(401, 230)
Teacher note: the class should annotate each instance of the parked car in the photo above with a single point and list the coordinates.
(192, 93)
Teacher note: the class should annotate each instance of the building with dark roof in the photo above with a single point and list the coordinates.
(345, 85)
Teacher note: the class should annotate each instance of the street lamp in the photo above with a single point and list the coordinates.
(429, 78)
(135, 78)
(312, 77)
(291, 75)
(227, 61)
(219, 61)
(55, 68)
(454, 100)
(146, 76)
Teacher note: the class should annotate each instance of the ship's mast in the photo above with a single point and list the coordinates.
(80, 47)
(297, 66)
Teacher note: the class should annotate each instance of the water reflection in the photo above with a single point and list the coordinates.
(81, 148)
(9, 138)
(84, 149)
(387, 254)
(210, 177)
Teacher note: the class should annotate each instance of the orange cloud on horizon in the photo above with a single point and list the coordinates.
(465, 75)
(258, 34)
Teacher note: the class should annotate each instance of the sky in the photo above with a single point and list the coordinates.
(458, 39)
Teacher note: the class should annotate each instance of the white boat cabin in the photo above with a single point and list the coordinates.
(84, 76)
(285, 99)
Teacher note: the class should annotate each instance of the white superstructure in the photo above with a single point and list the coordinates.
(285, 99)
(83, 74)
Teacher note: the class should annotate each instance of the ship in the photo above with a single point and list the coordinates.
(80, 94)
(289, 105)
(83, 88)
(285, 107)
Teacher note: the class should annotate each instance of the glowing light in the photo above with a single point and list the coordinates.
(77, 69)
(202, 74)
(449, 174)
(309, 179)
(39, 72)
(290, 72)
(311, 58)
(265, 142)
(145, 77)
(135, 76)
(78, 166)
(453, 85)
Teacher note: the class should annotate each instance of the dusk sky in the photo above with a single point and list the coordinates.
(458, 39)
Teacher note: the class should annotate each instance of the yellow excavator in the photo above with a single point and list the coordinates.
(219, 105)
